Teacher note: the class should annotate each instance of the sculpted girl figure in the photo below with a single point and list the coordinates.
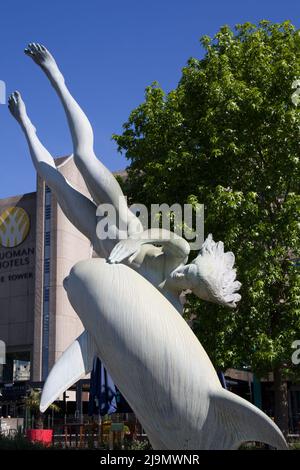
(210, 276)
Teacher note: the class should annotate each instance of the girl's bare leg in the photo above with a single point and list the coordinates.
(101, 183)
(80, 210)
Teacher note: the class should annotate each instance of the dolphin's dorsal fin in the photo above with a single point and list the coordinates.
(243, 422)
(74, 363)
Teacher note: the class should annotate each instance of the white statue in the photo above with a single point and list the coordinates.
(131, 311)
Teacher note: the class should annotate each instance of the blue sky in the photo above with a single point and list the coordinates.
(109, 51)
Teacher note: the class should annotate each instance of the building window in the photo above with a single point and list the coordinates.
(47, 266)
(17, 367)
(47, 212)
(47, 238)
(46, 295)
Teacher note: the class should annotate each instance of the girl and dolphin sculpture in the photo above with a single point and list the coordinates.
(128, 302)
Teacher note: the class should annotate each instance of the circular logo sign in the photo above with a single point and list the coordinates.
(14, 226)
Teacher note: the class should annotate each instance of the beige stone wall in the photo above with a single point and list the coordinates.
(68, 246)
(71, 247)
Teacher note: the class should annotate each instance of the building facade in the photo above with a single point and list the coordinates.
(38, 247)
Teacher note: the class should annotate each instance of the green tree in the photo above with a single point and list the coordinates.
(228, 137)
(32, 403)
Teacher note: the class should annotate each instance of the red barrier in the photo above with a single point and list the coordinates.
(44, 436)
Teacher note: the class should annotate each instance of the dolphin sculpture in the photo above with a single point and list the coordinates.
(156, 361)
(134, 325)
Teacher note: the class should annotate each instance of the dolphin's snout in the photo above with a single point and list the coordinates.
(65, 283)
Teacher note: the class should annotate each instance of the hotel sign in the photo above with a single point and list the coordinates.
(14, 227)
(15, 258)
(14, 231)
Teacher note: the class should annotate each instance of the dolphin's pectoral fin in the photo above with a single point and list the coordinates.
(243, 422)
(75, 363)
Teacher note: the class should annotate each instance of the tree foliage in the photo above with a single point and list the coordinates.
(228, 137)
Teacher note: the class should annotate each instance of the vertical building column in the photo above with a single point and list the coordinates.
(46, 284)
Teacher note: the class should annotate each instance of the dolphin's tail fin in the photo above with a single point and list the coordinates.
(243, 422)
(75, 363)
